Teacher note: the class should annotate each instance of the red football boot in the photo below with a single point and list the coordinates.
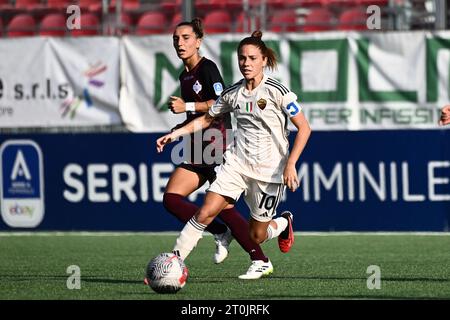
(286, 238)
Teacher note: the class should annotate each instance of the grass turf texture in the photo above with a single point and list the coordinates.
(318, 267)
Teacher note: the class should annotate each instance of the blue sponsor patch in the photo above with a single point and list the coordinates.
(218, 88)
(293, 108)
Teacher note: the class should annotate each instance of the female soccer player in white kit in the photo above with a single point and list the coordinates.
(259, 163)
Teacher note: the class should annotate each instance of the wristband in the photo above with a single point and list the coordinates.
(190, 106)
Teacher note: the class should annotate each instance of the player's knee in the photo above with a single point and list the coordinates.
(258, 236)
(205, 215)
(229, 206)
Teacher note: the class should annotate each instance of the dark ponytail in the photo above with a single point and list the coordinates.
(256, 40)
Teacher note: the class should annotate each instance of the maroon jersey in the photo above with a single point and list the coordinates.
(201, 84)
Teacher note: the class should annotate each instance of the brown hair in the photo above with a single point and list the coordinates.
(255, 39)
(196, 25)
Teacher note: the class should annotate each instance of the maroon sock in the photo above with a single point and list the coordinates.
(240, 230)
(185, 210)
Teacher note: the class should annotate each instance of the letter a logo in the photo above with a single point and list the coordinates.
(20, 167)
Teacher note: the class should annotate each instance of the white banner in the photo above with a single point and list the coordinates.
(149, 71)
(59, 82)
(345, 81)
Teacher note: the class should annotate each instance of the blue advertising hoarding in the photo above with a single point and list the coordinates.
(350, 181)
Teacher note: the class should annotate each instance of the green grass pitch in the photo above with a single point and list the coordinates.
(320, 266)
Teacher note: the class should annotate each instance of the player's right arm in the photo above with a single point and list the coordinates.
(222, 105)
(178, 105)
(195, 125)
(213, 87)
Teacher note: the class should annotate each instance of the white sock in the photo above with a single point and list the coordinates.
(188, 238)
(282, 223)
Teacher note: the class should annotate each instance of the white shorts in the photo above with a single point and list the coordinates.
(261, 197)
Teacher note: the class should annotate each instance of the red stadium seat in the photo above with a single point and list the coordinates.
(94, 6)
(126, 23)
(151, 22)
(340, 3)
(171, 6)
(60, 4)
(381, 3)
(209, 5)
(21, 25)
(217, 21)
(306, 3)
(285, 20)
(354, 3)
(353, 19)
(90, 26)
(242, 21)
(127, 5)
(53, 24)
(318, 20)
(5, 4)
(86, 3)
(232, 4)
(29, 4)
(278, 4)
(176, 19)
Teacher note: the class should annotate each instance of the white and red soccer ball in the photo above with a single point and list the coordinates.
(166, 273)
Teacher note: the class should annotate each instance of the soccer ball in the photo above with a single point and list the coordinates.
(167, 273)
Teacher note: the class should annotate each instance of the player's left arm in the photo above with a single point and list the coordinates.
(294, 111)
(303, 133)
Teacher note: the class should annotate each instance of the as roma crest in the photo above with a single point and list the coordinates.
(261, 103)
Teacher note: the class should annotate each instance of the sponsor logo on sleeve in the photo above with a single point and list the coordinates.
(218, 88)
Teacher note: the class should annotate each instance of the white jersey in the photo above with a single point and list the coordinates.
(261, 145)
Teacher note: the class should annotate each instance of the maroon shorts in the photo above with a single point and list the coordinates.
(208, 172)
